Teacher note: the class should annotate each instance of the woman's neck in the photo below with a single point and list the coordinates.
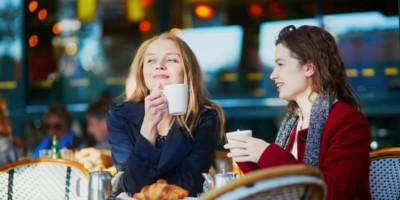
(305, 105)
(165, 124)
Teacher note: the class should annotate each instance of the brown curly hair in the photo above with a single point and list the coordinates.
(316, 45)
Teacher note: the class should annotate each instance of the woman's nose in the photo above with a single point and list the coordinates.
(161, 65)
(274, 74)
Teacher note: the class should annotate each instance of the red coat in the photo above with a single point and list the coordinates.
(344, 154)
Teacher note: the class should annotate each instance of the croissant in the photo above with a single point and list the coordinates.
(161, 190)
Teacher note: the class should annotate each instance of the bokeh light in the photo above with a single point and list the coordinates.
(42, 14)
(33, 5)
(204, 11)
(56, 28)
(255, 10)
(33, 40)
(146, 3)
(144, 26)
(71, 48)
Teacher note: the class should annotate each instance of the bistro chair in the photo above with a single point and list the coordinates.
(384, 173)
(44, 178)
(284, 182)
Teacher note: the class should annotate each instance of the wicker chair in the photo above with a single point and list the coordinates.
(284, 182)
(384, 173)
(43, 179)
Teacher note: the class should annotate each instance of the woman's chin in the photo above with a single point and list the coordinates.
(283, 97)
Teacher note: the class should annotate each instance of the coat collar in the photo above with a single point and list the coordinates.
(131, 111)
(178, 143)
(177, 146)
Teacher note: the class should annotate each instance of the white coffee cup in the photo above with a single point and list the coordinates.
(177, 98)
(247, 133)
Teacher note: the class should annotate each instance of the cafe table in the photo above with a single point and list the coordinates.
(124, 196)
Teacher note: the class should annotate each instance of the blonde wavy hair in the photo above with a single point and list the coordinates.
(192, 76)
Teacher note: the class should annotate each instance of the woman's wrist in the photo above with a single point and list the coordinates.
(149, 132)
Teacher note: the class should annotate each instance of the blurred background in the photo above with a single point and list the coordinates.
(74, 51)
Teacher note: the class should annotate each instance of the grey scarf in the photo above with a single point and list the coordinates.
(319, 113)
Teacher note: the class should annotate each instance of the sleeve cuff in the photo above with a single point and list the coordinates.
(146, 151)
(275, 155)
(247, 166)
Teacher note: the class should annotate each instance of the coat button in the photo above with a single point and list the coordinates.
(152, 172)
(303, 138)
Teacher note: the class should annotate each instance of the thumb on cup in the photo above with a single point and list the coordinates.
(158, 86)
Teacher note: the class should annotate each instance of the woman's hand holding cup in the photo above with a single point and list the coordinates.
(172, 99)
(243, 147)
(155, 108)
(155, 105)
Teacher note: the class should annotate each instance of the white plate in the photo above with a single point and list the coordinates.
(124, 196)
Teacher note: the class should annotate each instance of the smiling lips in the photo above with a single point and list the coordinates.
(278, 85)
(160, 76)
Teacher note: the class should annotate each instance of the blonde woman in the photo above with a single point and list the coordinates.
(7, 150)
(146, 141)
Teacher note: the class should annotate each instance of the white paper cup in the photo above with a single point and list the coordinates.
(177, 98)
(247, 133)
(45, 153)
(67, 154)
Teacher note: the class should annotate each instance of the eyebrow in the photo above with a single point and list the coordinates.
(152, 54)
(279, 59)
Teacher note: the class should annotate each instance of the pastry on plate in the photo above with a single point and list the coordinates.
(161, 190)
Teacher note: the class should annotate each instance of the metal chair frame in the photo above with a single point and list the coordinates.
(385, 173)
(44, 178)
(273, 183)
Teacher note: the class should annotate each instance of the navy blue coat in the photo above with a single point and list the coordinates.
(180, 162)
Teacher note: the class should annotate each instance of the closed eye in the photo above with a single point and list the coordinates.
(173, 60)
(150, 60)
(278, 65)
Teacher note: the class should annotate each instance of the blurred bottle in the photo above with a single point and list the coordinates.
(236, 169)
(55, 150)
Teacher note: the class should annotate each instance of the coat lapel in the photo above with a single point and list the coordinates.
(177, 146)
(133, 112)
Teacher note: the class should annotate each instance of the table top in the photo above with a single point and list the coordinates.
(124, 196)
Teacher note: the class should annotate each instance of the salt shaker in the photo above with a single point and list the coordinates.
(99, 185)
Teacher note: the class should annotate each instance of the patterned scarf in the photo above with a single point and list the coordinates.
(319, 113)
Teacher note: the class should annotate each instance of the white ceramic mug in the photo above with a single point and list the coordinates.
(177, 98)
(247, 133)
